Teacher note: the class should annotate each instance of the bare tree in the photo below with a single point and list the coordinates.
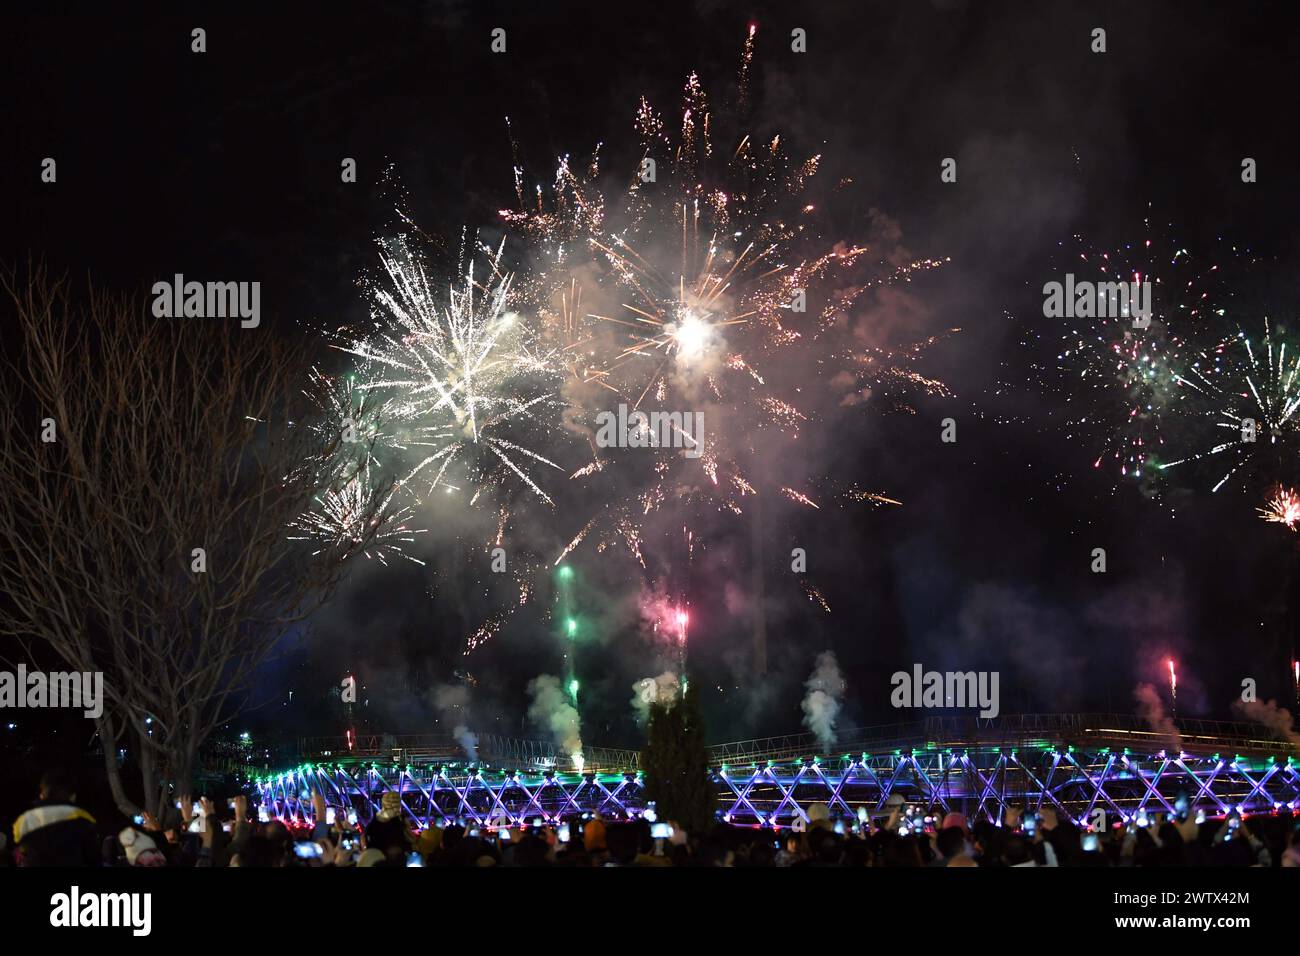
(171, 435)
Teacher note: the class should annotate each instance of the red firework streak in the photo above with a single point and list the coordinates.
(1173, 687)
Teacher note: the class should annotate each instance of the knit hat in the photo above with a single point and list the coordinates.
(140, 848)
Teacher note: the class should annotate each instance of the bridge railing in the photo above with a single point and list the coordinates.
(941, 731)
(494, 749)
(1008, 730)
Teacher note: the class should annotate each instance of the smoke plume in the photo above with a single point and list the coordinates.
(550, 707)
(821, 705)
(1275, 718)
(1152, 710)
(452, 702)
(653, 690)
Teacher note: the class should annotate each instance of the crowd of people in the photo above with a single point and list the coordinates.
(56, 832)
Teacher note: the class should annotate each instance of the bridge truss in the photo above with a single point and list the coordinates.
(1075, 763)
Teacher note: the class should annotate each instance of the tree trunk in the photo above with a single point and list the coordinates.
(108, 740)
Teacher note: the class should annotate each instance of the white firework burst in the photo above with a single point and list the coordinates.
(355, 517)
(462, 378)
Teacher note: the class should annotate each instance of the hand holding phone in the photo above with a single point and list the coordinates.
(307, 850)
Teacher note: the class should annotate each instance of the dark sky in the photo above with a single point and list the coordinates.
(227, 163)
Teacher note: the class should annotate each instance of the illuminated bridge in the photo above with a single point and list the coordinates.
(1076, 763)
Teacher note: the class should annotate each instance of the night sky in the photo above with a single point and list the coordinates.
(226, 164)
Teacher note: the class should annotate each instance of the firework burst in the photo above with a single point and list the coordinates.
(460, 375)
(350, 426)
(1283, 508)
(707, 284)
(357, 517)
(1250, 395)
(1125, 388)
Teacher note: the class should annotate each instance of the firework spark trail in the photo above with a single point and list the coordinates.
(458, 374)
(800, 498)
(814, 594)
(339, 522)
(874, 497)
(1173, 688)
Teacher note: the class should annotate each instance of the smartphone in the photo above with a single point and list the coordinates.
(329, 815)
(263, 816)
(1234, 821)
(352, 817)
(1142, 820)
(231, 803)
(661, 831)
(1180, 807)
(563, 835)
(1090, 843)
(306, 850)
(1031, 823)
(839, 827)
(348, 842)
(138, 819)
(474, 832)
(1200, 816)
(414, 859)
